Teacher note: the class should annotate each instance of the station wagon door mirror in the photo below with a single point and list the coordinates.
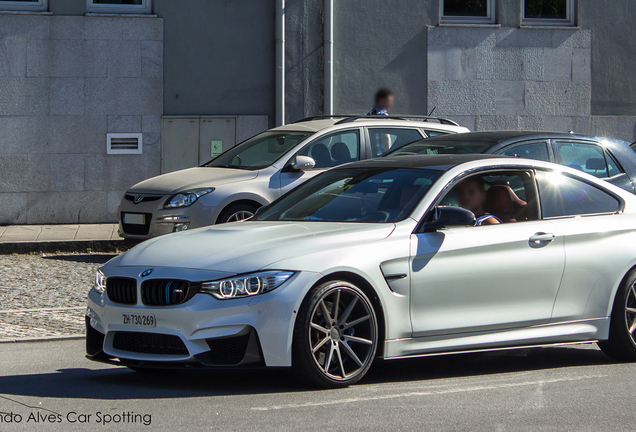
(447, 217)
(302, 163)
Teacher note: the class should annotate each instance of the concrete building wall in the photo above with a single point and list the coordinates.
(65, 81)
(219, 56)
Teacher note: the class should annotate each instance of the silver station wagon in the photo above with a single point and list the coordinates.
(235, 184)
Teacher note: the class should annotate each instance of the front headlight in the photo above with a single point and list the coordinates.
(246, 285)
(100, 282)
(185, 199)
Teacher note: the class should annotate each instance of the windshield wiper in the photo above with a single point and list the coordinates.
(226, 166)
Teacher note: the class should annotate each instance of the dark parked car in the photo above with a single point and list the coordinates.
(606, 158)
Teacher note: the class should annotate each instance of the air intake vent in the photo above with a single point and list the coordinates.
(149, 343)
(124, 143)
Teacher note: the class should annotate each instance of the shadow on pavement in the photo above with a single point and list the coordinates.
(83, 258)
(121, 383)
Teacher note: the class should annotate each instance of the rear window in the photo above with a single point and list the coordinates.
(566, 196)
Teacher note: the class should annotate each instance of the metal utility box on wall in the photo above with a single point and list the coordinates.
(191, 141)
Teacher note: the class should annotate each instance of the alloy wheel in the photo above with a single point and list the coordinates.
(630, 312)
(240, 216)
(342, 333)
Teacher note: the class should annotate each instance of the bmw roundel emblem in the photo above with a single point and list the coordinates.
(146, 272)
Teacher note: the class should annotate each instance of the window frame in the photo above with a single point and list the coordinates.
(144, 8)
(482, 171)
(489, 19)
(22, 6)
(548, 144)
(367, 133)
(361, 145)
(570, 21)
(619, 210)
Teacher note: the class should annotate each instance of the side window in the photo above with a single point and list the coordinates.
(535, 150)
(334, 149)
(508, 196)
(565, 196)
(435, 133)
(588, 158)
(613, 167)
(385, 139)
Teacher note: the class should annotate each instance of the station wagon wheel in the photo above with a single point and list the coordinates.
(240, 216)
(340, 337)
(237, 212)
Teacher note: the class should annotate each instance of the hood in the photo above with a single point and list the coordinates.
(192, 178)
(248, 246)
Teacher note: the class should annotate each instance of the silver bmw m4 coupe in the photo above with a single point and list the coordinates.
(387, 258)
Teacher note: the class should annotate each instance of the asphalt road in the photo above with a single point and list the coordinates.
(563, 388)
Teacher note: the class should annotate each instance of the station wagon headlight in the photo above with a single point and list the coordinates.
(246, 285)
(100, 282)
(185, 199)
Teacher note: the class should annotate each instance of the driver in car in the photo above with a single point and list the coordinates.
(471, 195)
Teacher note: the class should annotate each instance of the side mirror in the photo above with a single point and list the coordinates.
(447, 217)
(302, 163)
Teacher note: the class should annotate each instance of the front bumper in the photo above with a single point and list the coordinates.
(159, 221)
(254, 331)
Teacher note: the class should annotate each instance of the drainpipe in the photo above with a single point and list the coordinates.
(328, 78)
(280, 62)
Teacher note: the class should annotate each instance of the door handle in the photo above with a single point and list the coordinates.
(542, 237)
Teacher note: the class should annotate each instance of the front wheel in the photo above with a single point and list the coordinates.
(237, 212)
(621, 344)
(335, 336)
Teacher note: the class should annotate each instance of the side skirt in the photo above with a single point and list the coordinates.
(564, 333)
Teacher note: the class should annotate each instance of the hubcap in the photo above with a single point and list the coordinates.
(630, 312)
(342, 333)
(240, 216)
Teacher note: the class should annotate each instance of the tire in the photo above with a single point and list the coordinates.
(334, 356)
(621, 344)
(234, 211)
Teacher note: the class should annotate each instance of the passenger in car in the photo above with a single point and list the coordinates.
(471, 195)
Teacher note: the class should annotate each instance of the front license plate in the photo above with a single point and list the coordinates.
(134, 219)
(140, 320)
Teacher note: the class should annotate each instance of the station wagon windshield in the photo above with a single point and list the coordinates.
(259, 151)
(382, 195)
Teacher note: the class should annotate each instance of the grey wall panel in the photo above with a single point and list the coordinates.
(218, 56)
(380, 43)
(613, 54)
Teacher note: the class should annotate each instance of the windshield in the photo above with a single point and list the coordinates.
(354, 195)
(260, 151)
(433, 147)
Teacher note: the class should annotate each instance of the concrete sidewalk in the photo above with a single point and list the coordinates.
(62, 238)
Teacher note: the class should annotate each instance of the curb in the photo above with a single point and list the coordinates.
(44, 339)
(65, 246)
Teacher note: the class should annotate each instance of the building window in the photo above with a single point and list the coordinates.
(24, 5)
(467, 11)
(119, 6)
(548, 12)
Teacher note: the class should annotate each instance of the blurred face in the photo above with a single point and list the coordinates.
(471, 195)
(386, 103)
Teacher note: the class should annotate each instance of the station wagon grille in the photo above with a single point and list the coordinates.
(166, 292)
(122, 290)
(141, 198)
(149, 343)
(137, 229)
